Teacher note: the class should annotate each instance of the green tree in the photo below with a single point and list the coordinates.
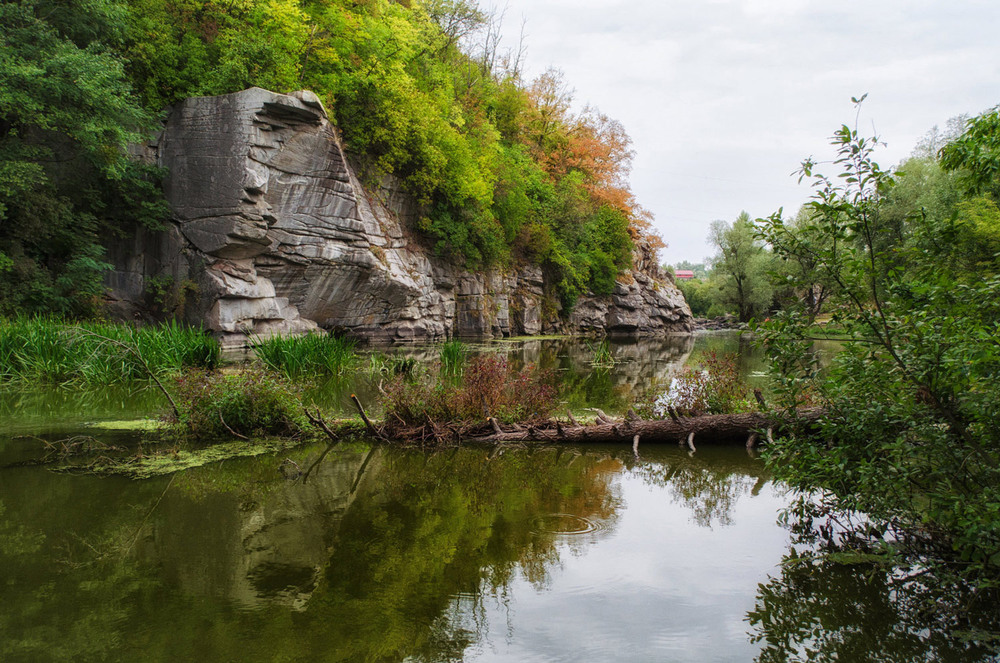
(67, 117)
(975, 155)
(741, 265)
(911, 436)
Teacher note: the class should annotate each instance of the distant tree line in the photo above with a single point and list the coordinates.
(748, 278)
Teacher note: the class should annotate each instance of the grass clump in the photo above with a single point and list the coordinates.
(52, 351)
(309, 355)
(604, 358)
(489, 387)
(246, 404)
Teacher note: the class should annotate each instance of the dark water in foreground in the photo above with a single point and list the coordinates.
(475, 554)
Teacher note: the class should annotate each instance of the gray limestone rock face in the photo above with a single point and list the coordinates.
(272, 224)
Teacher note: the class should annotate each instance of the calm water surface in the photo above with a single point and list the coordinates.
(475, 554)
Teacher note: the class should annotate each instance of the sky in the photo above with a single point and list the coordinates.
(723, 99)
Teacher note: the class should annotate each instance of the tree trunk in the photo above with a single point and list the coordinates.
(707, 429)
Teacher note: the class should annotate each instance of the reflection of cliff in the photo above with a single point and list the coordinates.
(370, 531)
(436, 526)
(253, 549)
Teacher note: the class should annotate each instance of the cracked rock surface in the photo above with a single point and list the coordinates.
(274, 234)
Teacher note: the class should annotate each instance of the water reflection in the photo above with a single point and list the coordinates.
(539, 553)
(709, 484)
(824, 611)
(463, 554)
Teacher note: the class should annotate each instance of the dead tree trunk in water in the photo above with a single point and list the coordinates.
(708, 429)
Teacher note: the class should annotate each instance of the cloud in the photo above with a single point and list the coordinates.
(724, 98)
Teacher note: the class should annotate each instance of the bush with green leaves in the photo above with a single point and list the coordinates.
(247, 403)
(911, 436)
(713, 386)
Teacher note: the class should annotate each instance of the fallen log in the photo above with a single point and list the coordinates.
(741, 428)
(744, 428)
(707, 429)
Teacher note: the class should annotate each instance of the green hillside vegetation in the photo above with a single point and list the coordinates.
(503, 168)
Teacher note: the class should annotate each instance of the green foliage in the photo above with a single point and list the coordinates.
(67, 116)
(501, 170)
(603, 357)
(741, 266)
(704, 296)
(714, 386)
(911, 400)
(453, 356)
(248, 403)
(975, 155)
(49, 350)
(305, 356)
(166, 298)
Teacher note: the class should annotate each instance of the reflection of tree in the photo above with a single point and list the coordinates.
(439, 526)
(65, 602)
(845, 594)
(395, 550)
(824, 611)
(709, 482)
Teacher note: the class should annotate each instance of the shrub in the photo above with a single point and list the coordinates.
(714, 386)
(490, 388)
(250, 403)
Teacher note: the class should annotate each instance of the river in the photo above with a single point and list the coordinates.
(531, 553)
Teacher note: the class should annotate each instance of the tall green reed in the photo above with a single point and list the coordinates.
(50, 350)
(309, 355)
(453, 354)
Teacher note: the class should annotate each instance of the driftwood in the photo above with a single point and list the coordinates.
(706, 429)
(743, 429)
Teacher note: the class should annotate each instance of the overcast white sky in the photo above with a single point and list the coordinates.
(724, 98)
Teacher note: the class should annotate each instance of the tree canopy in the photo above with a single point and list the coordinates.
(504, 169)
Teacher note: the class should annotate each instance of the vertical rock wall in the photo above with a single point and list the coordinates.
(274, 233)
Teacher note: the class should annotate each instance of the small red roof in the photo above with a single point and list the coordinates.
(684, 274)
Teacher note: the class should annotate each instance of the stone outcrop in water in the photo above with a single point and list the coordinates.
(274, 233)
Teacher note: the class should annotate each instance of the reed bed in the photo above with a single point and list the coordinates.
(305, 356)
(52, 351)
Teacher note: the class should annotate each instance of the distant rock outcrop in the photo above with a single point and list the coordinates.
(272, 232)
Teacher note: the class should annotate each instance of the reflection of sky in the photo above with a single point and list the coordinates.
(657, 588)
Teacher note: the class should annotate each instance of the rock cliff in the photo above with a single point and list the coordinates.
(272, 232)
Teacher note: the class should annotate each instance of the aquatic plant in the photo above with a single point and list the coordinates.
(309, 355)
(603, 357)
(244, 404)
(453, 357)
(45, 349)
